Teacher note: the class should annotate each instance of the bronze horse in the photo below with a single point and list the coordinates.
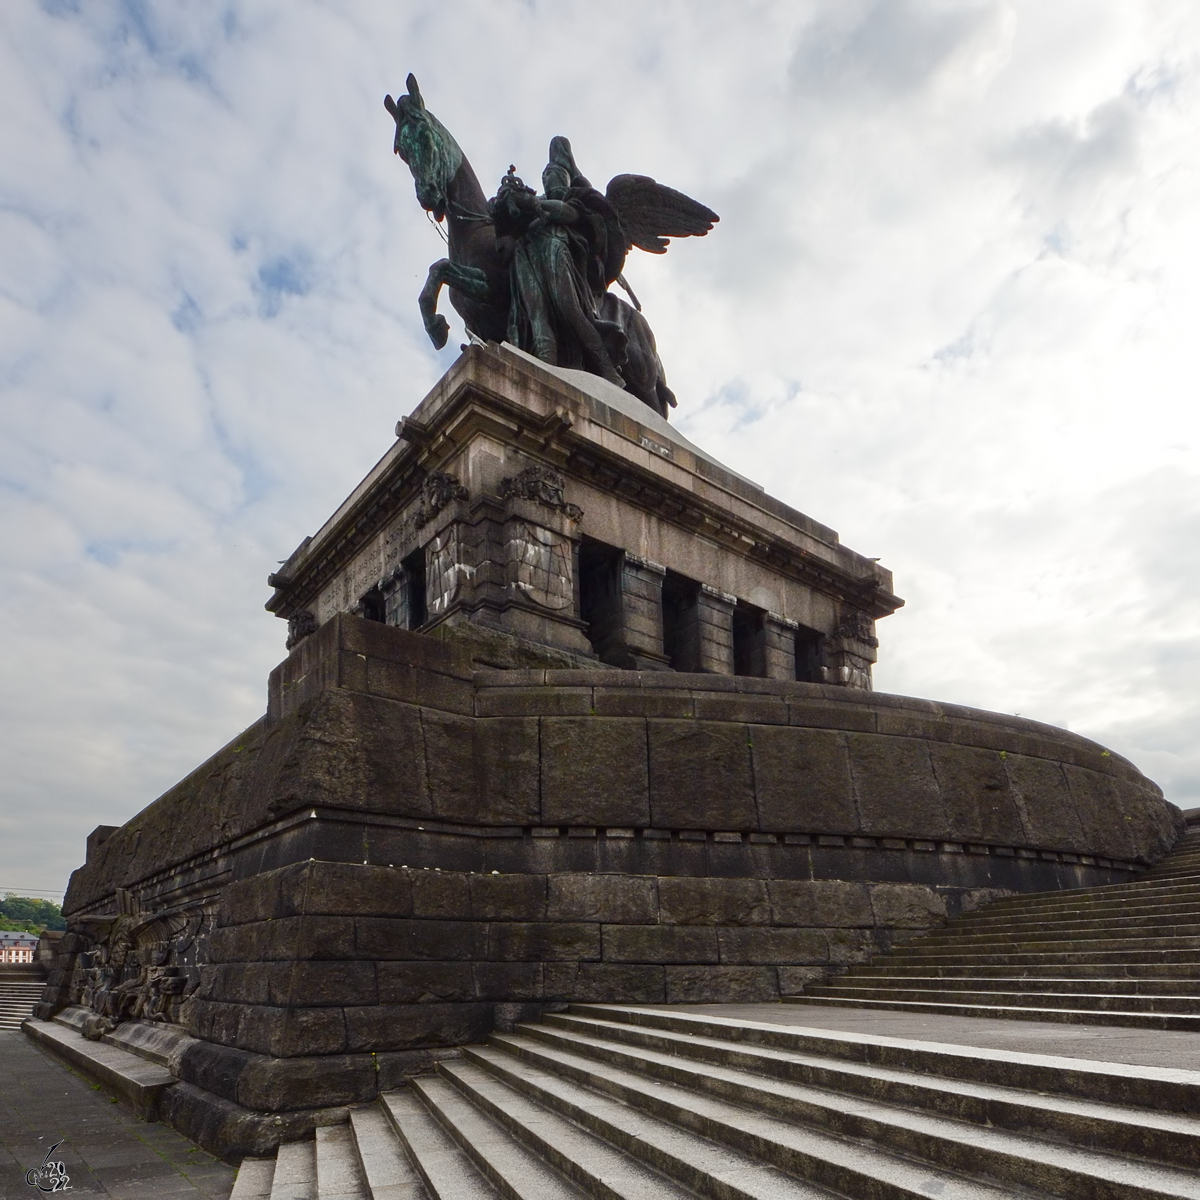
(477, 270)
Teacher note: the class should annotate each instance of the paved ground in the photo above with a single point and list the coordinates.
(1103, 1043)
(107, 1151)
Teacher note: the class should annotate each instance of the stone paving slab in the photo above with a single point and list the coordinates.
(108, 1151)
(1098, 1043)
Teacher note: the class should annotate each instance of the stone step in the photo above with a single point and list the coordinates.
(713, 1147)
(443, 1165)
(1141, 888)
(518, 1145)
(870, 977)
(1187, 936)
(1047, 954)
(1183, 972)
(1074, 1016)
(607, 1145)
(385, 1166)
(819, 1136)
(339, 1171)
(253, 1180)
(1160, 1089)
(689, 1060)
(140, 1084)
(295, 1175)
(1095, 1002)
(1119, 918)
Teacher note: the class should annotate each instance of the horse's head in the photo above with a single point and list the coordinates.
(423, 142)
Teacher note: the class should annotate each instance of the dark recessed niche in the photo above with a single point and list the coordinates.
(600, 600)
(681, 621)
(749, 640)
(809, 655)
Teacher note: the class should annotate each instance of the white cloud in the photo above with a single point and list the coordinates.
(949, 309)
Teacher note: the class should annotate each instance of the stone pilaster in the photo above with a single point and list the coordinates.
(780, 646)
(641, 600)
(715, 612)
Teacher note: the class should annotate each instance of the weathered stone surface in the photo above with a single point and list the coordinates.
(594, 771)
(700, 776)
(725, 984)
(820, 902)
(440, 894)
(401, 982)
(381, 937)
(613, 983)
(612, 898)
(895, 787)
(660, 944)
(906, 905)
(405, 1026)
(1043, 798)
(976, 794)
(685, 901)
(508, 897)
(802, 777)
(542, 941)
(504, 981)
(772, 945)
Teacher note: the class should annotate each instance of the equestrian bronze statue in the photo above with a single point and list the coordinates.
(535, 270)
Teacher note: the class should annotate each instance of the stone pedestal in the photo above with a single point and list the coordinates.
(571, 712)
(549, 507)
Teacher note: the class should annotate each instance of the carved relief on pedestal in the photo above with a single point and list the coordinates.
(437, 490)
(139, 966)
(542, 486)
(300, 625)
(541, 559)
(858, 626)
(447, 569)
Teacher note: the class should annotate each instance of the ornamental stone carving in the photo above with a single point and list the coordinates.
(136, 967)
(543, 486)
(857, 625)
(437, 491)
(300, 625)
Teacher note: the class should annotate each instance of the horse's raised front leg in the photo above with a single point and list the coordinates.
(471, 281)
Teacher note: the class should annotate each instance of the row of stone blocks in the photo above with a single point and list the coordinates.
(325, 958)
(409, 850)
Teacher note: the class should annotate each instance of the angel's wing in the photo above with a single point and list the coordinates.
(651, 212)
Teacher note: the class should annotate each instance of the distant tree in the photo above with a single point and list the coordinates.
(30, 913)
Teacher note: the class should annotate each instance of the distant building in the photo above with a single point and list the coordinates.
(17, 947)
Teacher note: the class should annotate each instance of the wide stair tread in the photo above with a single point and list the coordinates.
(745, 1153)
(295, 1176)
(693, 1060)
(388, 1172)
(513, 1134)
(863, 1145)
(1077, 1016)
(339, 1170)
(853, 987)
(443, 1164)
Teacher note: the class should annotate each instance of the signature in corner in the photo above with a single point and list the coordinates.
(50, 1176)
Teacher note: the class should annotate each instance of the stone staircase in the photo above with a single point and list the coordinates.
(624, 1102)
(19, 992)
(1128, 954)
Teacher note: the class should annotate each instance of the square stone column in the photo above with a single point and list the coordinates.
(715, 611)
(780, 648)
(641, 602)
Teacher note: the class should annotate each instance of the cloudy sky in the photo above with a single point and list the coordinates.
(950, 310)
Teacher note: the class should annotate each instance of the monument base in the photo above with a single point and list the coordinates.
(410, 849)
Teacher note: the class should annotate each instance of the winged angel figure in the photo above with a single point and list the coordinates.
(536, 270)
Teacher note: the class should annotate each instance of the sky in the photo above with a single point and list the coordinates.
(950, 310)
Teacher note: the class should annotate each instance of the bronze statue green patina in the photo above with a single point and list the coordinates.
(536, 270)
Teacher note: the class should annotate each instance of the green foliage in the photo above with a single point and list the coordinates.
(25, 914)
